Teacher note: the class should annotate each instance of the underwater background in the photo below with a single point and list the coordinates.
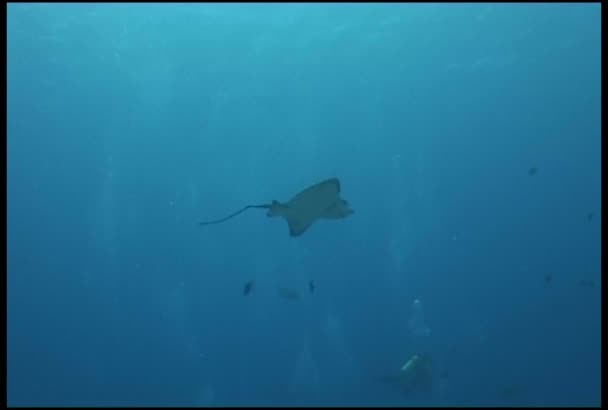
(466, 137)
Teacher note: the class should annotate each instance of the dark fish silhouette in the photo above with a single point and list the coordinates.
(532, 171)
(311, 286)
(248, 288)
(586, 283)
(548, 278)
(590, 216)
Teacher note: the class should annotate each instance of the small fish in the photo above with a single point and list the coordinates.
(289, 293)
(548, 278)
(586, 283)
(532, 171)
(311, 286)
(590, 216)
(248, 288)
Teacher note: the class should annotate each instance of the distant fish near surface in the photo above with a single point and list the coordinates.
(289, 293)
(311, 286)
(532, 171)
(248, 288)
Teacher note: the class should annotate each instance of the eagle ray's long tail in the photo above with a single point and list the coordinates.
(217, 221)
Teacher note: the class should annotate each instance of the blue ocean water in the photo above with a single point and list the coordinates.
(466, 137)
